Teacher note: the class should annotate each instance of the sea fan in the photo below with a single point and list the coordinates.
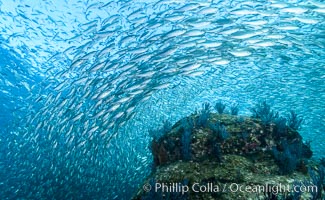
(281, 127)
(263, 111)
(219, 131)
(289, 157)
(187, 125)
(186, 145)
(286, 160)
(220, 107)
(317, 179)
(294, 121)
(204, 115)
(234, 109)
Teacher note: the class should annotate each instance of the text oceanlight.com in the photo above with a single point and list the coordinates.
(231, 187)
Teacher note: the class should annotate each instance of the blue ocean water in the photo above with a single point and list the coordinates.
(82, 82)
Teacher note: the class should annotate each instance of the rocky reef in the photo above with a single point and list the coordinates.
(225, 156)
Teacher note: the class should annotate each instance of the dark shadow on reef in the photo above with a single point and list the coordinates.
(214, 155)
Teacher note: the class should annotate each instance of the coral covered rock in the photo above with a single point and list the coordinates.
(230, 157)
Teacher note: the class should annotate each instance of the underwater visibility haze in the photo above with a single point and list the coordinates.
(92, 91)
